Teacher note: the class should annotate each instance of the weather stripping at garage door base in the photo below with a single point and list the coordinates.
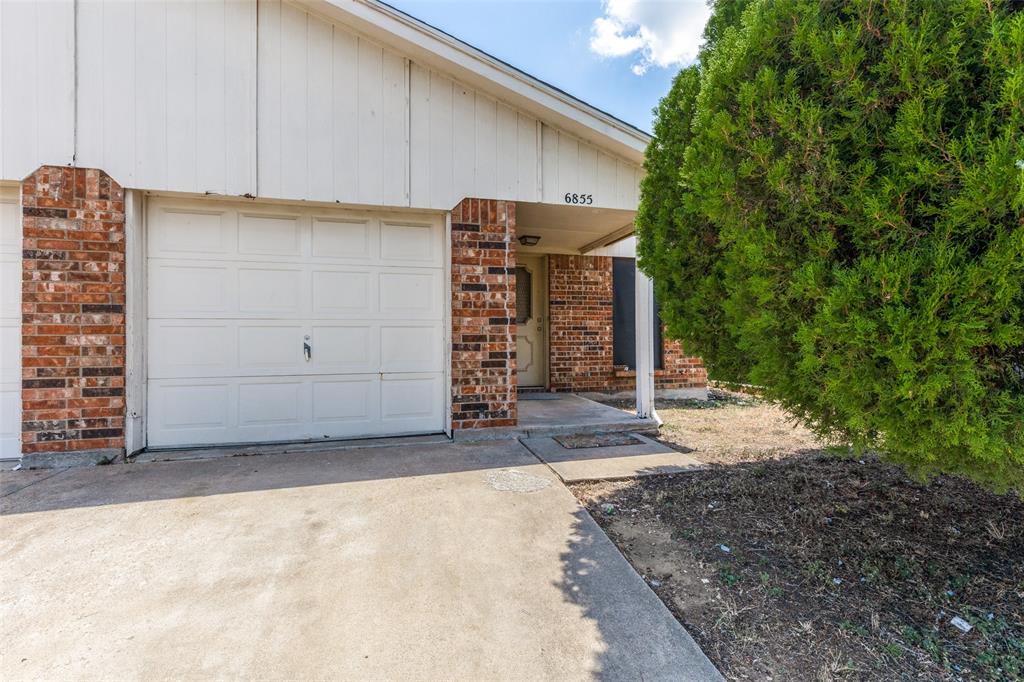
(254, 449)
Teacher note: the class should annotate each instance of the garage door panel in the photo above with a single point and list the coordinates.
(346, 400)
(208, 233)
(10, 421)
(10, 337)
(345, 349)
(343, 293)
(10, 283)
(408, 348)
(410, 399)
(273, 235)
(409, 243)
(191, 348)
(187, 406)
(270, 403)
(180, 289)
(227, 326)
(344, 239)
(270, 347)
(265, 291)
(410, 295)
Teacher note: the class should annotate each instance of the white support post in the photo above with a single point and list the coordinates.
(644, 347)
(135, 321)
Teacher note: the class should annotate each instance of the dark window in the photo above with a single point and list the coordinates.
(524, 295)
(624, 316)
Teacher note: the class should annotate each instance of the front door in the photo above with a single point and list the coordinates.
(531, 320)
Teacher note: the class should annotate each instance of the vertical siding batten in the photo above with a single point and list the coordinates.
(211, 142)
(486, 142)
(345, 108)
(507, 130)
(150, 101)
(419, 134)
(294, 83)
(371, 129)
(269, 98)
(440, 144)
(464, 142)
(526, 158)
(394, 148)
(181, 74)
(319, 132)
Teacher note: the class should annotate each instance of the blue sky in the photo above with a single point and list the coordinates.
(618, 55)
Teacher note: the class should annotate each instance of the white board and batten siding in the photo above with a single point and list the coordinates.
(166, 94)
(237, 291)
(10, 322)
(270, 99)
(37, 86)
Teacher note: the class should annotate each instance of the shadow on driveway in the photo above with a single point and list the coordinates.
(125, 483)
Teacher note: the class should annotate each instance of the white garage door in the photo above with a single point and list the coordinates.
(282, 323)
(10, 323)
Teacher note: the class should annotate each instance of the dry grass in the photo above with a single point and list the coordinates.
(730, 428)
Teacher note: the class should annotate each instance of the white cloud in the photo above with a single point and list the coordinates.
(660, 32)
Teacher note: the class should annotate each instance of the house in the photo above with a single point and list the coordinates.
(265, 220)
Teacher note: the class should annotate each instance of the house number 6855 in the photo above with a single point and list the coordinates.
(573, 198)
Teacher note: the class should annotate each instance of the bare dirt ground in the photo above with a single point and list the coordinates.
(788, 563)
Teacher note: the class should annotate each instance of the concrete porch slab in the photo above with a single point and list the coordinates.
(560, 414)
(648, 458)
(415, 562)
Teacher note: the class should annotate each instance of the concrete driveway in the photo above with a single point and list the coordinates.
(420, 562)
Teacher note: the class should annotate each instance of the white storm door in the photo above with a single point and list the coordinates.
(282, 323)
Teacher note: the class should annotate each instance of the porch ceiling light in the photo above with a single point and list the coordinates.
(529, 240)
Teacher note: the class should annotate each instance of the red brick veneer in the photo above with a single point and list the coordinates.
(483, 314)
(73, 324)
(581, 336)
(580, 323)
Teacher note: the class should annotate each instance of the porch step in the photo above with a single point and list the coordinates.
(634, 425)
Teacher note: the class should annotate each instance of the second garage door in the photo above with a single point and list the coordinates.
(272, 324)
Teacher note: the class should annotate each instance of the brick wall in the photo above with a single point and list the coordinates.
(580, 325)
(483, 314)
(580, 322)
(73, 325)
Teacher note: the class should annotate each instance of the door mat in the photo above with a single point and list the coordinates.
(596, 440)
(539, 396)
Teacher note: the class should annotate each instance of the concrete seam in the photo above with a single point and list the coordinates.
(540, 459)
(38, 480)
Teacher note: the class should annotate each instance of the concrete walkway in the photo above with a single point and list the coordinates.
(418, 562)
(638, 456)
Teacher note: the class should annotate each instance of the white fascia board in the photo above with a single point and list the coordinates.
(434, 48)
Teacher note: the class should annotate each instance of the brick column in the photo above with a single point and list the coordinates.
(483, 314)
(73, 324)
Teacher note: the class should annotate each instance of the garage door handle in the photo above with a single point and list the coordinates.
(307, 350)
